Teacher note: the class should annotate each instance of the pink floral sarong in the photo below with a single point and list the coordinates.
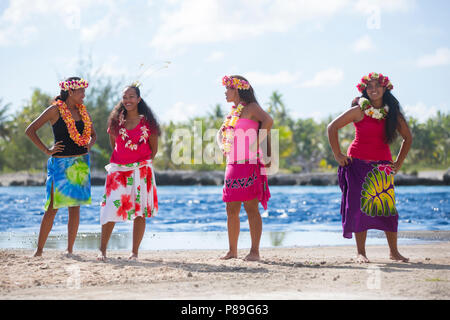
(244, 182)
(130, 192)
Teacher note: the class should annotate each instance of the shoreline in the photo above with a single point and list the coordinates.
(299, 273)
(208, 178)
(214, 240)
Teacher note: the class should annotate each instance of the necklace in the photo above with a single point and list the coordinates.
(125, 137)
(228, 125)
(66, 115)
(371, 111)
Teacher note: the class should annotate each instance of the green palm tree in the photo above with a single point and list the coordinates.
(277, 109)
(4, 119)
(216, 113)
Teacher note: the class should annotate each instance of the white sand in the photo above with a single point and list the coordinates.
(283, 273)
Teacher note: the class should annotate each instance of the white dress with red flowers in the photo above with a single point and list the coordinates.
(130, 192)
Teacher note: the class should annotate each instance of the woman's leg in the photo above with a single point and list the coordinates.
(46, 226)
(361, 247)
(138, 234)
(234, 227)
(107, 229)
(72, 227)
(392, 241)
(255, 223)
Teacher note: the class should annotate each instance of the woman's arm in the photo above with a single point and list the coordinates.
(257, 113)
(49, 114)
(112, 140)
(153, 140)
(405, 132)
(93, 136)
(352, 115)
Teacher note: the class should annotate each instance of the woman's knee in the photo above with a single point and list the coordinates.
(251, 207)
(50, 211)
(233, 208)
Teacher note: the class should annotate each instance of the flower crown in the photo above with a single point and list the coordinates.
(73, 84)
(235, 83)
(382, 80)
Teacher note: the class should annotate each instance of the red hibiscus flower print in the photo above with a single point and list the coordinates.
(155, 199)
(123, 177)
(111, 183)
(137, 208)
(142, 172)
(125, 205)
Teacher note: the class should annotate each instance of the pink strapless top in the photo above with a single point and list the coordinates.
(369, 141)
(245, 135)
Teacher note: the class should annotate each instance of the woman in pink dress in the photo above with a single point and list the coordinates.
(245, 179)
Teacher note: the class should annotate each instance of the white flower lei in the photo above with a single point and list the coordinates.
(129, 144)
(370, 111)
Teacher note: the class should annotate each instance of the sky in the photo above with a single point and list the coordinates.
(312, 52)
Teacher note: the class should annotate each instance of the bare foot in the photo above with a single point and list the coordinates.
(229, 255)
(68, 254)
(133, 257)
(398, 257)
(252, 256)
(37, 253)
(102, 256)
(361, 258)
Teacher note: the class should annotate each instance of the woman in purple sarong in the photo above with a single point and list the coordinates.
(366, 173)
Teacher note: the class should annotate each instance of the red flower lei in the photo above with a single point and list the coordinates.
(64, 111)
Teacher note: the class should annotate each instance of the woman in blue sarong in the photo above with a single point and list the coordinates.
(68, 168)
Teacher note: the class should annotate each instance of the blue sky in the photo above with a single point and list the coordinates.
(312, 52)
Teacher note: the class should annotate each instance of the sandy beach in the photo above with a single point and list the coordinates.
(282, 274)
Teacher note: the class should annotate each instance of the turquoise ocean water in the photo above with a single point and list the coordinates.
(194, 217)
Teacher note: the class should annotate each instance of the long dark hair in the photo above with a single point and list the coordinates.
(143, 108)
(248, 96)
(63, 95)
(390, 128)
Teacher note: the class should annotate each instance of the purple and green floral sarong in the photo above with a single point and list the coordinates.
(368, 198)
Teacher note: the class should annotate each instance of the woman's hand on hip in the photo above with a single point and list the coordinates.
(57, 147)
(342, 159)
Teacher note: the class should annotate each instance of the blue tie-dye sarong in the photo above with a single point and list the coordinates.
(71, 180)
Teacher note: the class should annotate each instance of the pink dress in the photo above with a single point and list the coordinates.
(245, 178)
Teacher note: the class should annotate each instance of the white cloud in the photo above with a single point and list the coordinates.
(363, 44)
(440, 58)
(420, 111)
(108, 25)
(111, 67)
(209, 21)
(10, 35)
(391, 6)
(215, 56)
(180, 111)
(328, 77)
(21, 20)
(280, 78)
